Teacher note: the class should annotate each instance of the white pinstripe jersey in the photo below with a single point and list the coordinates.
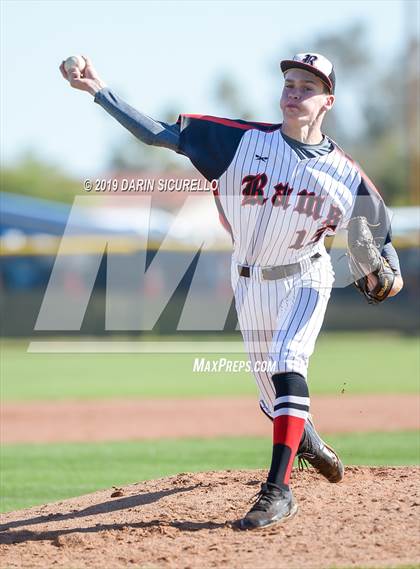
(278, 207)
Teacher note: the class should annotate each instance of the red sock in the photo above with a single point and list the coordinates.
(290, 412)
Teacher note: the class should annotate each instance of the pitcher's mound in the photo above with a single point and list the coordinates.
(187, 521)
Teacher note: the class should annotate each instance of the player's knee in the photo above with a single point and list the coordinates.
(264, 409)
(290, 383)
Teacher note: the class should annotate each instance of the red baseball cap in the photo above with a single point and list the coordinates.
(314, 63)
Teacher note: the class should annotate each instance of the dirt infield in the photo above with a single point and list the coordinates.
(188, 521)
(80, 421)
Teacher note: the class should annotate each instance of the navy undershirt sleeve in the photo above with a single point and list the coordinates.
(390, 254)
(370, 204)
(146, 129)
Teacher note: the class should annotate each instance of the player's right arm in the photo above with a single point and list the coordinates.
(144, 128)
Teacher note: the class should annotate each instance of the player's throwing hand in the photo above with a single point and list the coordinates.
(84, 80)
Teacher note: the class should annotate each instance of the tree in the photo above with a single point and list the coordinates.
(33, 177)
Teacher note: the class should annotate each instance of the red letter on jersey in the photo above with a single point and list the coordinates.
(254, 189)
(282, 195)
(333, 219)
(309, 204)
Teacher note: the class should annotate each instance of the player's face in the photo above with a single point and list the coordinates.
(304, 98)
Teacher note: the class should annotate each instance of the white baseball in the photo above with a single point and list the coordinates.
(74, 61)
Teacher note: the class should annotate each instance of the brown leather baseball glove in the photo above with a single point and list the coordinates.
(365, 259)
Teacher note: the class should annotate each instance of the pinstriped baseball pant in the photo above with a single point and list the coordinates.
(280, 320)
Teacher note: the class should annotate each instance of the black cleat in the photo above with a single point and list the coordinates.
(273, 505)
(323, 458)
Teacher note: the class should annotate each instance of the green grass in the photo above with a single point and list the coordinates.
(357, 362)
(36, 474)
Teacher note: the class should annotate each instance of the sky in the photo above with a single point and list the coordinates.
(155, 55)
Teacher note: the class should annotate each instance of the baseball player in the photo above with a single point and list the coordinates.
(281, 189)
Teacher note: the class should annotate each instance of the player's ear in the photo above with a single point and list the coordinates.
(329, 102)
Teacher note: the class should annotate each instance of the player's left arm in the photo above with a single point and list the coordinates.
(370, 204)
(390, 254)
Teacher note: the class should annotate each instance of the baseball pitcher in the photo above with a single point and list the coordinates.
(281, 189)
